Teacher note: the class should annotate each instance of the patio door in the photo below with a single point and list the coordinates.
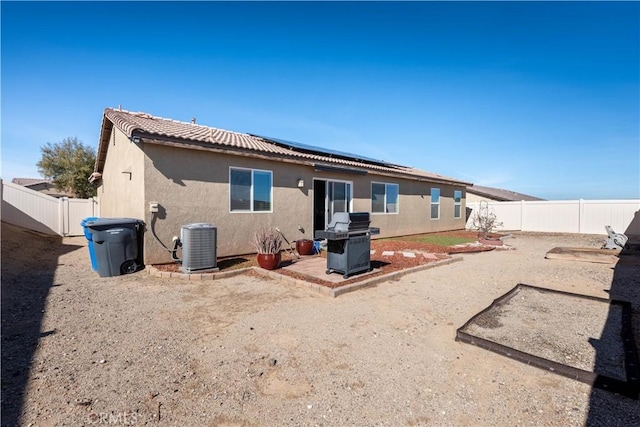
(330, 196)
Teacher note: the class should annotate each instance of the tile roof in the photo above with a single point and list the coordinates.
(26, 182)
(47, 186)
(500, 194)
(156, 129)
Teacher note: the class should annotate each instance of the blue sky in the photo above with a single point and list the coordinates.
(540, 98)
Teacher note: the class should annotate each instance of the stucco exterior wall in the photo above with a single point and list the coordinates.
(121, 191)
(414, 216)
(193, 186)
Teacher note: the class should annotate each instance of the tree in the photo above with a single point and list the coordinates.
(69, 164)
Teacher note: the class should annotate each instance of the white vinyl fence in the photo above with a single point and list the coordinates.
(566, 216)
(40, 212)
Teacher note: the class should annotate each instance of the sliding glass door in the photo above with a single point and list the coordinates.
(330, 197)
(338, 198)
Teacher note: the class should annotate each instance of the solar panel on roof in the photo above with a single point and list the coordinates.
(323, 151)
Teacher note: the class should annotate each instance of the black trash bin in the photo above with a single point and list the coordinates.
(117, 243)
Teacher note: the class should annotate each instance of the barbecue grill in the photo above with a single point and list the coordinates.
(348, 243)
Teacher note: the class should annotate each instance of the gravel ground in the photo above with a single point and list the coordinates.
(78, 349)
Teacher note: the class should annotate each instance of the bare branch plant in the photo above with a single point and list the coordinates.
(485, 220)
(267, 240)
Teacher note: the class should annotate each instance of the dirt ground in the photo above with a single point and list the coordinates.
(78, 349)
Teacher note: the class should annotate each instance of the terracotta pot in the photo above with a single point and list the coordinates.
(269, 261)
(304, 247)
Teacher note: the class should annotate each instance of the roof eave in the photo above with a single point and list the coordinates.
(105, 134)
(207, 146)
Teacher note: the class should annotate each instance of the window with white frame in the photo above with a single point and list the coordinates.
(250, 190)
(384, 197)
(457, 204)
(435, 203)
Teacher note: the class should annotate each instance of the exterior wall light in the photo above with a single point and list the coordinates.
(300, 183)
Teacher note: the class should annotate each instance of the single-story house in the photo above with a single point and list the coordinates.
(239, 182)
(478, 193)
(44, 186)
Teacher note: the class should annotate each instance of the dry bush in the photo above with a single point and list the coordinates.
(267, 240)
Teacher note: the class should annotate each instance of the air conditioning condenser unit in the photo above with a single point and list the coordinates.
(198, 247)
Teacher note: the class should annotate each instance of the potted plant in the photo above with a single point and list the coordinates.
(304, 246)
(268, 243)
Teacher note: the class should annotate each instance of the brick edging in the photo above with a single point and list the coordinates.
(282, 278)
(390, 276)
(335, 292)
(194, 276)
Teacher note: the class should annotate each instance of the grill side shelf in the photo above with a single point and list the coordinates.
(332, 235)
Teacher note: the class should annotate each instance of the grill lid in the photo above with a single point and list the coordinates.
(349, 221)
